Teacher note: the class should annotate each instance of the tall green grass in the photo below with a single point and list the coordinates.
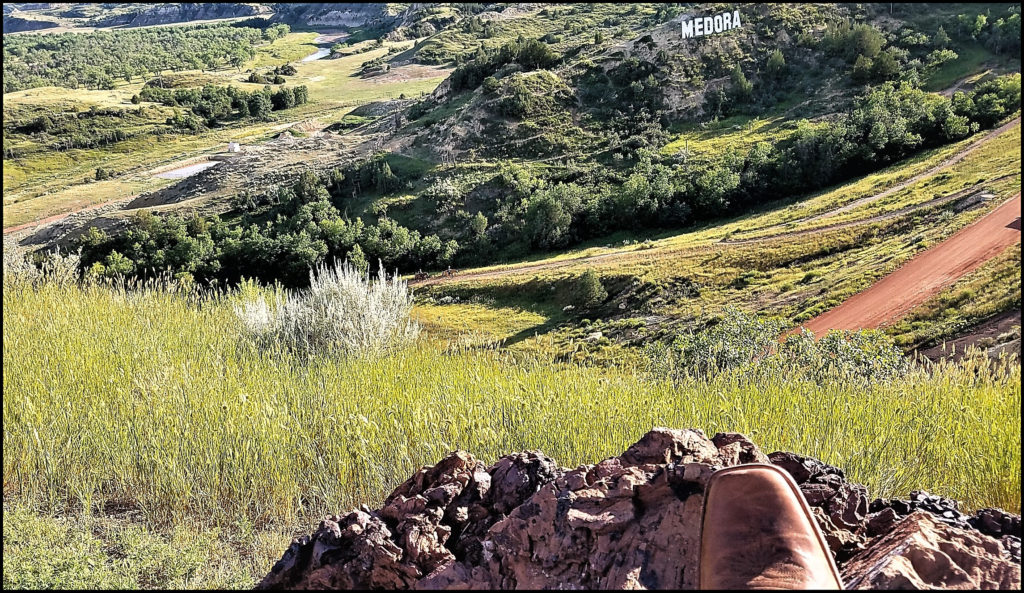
(148, 399)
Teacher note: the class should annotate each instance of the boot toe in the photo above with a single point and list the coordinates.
(758, 533)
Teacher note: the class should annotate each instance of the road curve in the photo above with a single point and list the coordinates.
(926, 274)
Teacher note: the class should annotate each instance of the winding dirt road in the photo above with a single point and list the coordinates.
(547, 265)
(965, 194)
(927, 274)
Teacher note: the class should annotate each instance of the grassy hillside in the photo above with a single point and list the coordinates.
(100, 384)
(679, 278)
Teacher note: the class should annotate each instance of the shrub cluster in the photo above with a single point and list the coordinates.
(211, 104)
(527, 54)
(743, 342)
(342, 311)
(288, 232)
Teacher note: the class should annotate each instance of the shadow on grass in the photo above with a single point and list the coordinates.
(533, 331)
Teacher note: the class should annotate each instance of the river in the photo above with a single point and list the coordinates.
(325, 41)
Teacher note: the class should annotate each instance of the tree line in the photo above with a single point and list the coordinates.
(887, 124)
(211, 105)
(282, 234)
(96, 60)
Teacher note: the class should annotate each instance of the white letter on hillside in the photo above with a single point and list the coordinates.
(736, 19)
(727, 24)
(709, 25)
(718, 23)
(687, 29)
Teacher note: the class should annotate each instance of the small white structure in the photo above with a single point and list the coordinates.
(234, 147)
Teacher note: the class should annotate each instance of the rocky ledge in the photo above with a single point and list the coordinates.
(629, 522)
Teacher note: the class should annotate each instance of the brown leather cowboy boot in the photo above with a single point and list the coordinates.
(758, 533)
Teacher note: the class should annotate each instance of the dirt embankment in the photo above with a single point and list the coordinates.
(926, 274)
(997, 334)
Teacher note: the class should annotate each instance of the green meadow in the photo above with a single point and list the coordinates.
(144, 410)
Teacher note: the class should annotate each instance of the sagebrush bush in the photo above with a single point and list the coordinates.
(343, 311)
(16, 262)
(736, 340)
(52, 267)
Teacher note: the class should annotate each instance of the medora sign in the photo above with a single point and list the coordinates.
(711, 24)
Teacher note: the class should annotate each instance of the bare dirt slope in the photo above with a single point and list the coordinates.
(995, 334)
(927, 274)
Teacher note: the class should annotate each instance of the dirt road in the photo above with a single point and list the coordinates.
(952, 160)
(547, 265)
(926, 274)
(965, 194)
(59, 217)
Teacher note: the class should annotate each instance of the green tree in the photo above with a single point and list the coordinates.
(885, 67)
(117, 264)
(867, 40)
(742, 89)
(260, 106)
(776, 64)
(941, 39)
(549, 214)
(862, 70)
(283, 99)
(357, 258)
(385, 179)
(478, 224)
(978, 26)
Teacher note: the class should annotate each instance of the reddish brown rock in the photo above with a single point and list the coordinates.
(393, 547)
(627, 522)
(631, 521)
(842, 505)
(923, 553)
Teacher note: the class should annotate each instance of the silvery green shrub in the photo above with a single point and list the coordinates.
(342, 311)
(16, 263)
(56, 267)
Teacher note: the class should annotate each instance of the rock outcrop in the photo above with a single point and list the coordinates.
(922, 552)
(631, 521)
(169, 13)
(16, 24)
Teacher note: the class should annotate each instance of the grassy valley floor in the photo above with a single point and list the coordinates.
(46, 182)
